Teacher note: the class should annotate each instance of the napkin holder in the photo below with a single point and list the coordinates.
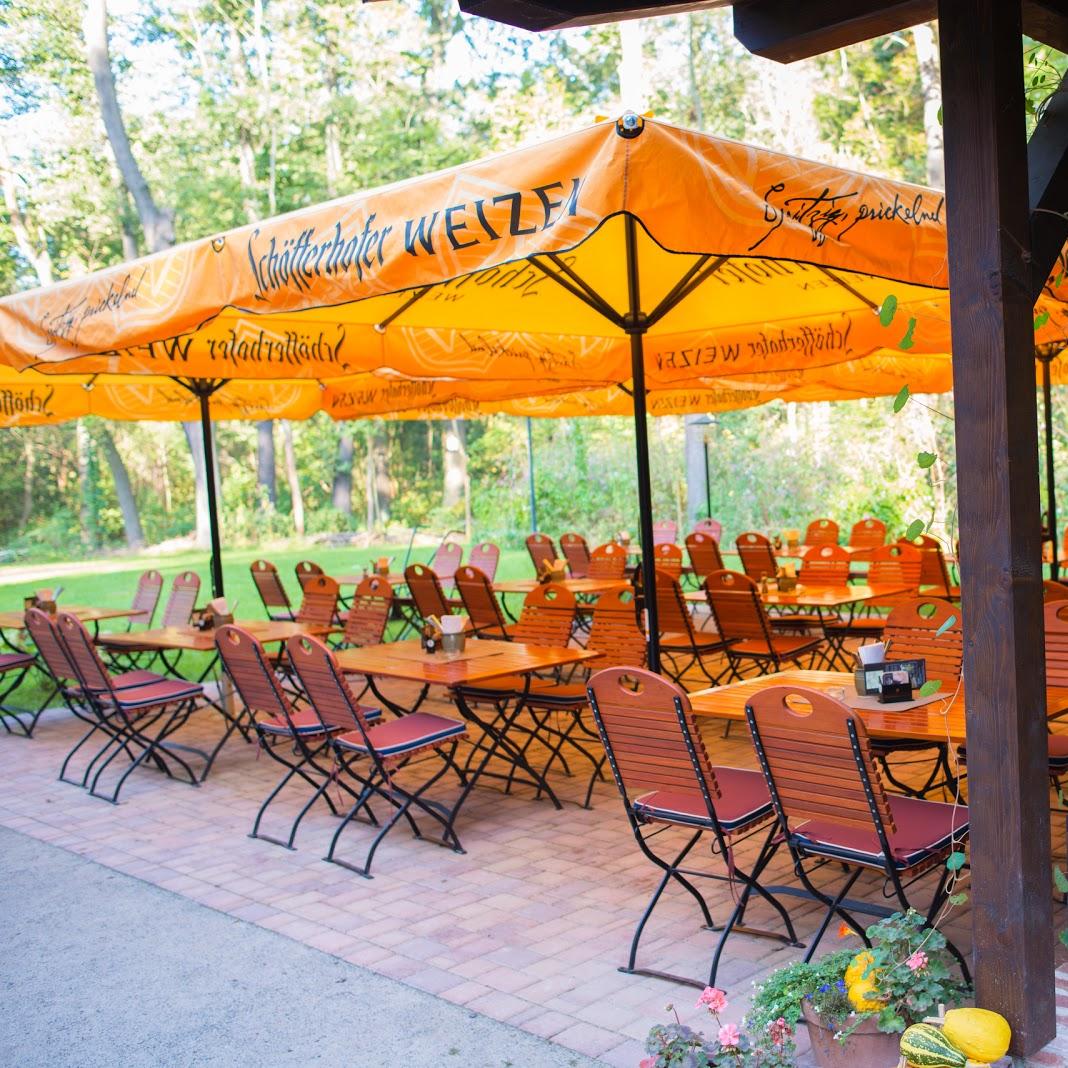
(43, 604)
(552, 571)
(381, 566)
(214, 614)
(868, 679)
(786, 580)
(894, 687)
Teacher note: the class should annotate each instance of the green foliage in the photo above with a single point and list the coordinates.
(784, 992)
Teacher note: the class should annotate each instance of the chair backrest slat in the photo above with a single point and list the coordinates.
(480, 602)
(821, 532)
(576, 553)
(324, 685)
(668, 557)
(933, 569)
(1055, 616)
(307, 569)
(446, 559)
(42, 629)
(269, 586)
(757, 555)
(181, 601)
(615, 633)
(804, 744)
(867, 533)
(547, 617)
(608, 561)
(666, 530)
(426, 591)
(252, 674)
(709, 526)
(825, 565)
(146, 597)
(82, 654)
(638, 717)
(912, 632)
(318, 606)
(485, 556)
(735, 604)
(704, 553)
(673, 614)
(899, 562)
(541, 550)
(369, 612)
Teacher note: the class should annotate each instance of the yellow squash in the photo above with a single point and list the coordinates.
(981, 1034)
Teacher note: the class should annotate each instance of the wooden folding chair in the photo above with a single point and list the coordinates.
(485, 556)
(446, 559)
(608, 561)
(833, 810)
(369, 612)
(272, 593)
(305, 570)
(427, 595)
(541, 550)
(375, 756)
(934, 573)
(145, 599)
(821, 532)
(928, 628)
(869, 533)
(576, 553)
(13, 669)
(297, 740)
(136, 721)
(709, 526)
(668, 557)
(667, 780)
(745, 629)
(682, 646)
(822, 565)
(705, 557)
(177, 612)
(318, 605)
(757, 555)
(666, 530)
(480, 602)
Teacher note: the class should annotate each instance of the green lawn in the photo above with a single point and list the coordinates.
(110, 582)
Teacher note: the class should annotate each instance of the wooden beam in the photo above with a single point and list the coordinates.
(541, 15)
(787, 30)
(1047, 166)
(997, 484)
(1047, 21)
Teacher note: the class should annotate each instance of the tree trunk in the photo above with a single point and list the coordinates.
(157, 223)
(292, 476)
(693, 57)
(633, 88)
(696, 469)
(341, 495)
(131, 521)
(193, 435)
(455, 463)
(29, 454)
(369, 485)
(86, 485)
(931, 88)
(265, 460)
(33, 247)
(384, 489)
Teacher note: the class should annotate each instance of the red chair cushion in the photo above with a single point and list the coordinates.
(11, 661)
(398, 737)
(743, 799)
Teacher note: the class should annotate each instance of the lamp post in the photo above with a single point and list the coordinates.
(705, 421)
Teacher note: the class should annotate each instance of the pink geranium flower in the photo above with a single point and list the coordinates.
(712, 999)
(917, 962)
(648, 1062)
(729, 1035)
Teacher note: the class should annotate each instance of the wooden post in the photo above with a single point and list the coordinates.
(997, 481)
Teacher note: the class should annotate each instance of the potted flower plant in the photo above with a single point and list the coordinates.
(856, 1005)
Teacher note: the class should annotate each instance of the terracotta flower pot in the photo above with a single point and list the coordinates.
(866, 1047)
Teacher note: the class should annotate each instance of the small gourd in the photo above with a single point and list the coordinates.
(982, 1035)
(858, 966)
(925, 1046)
(864, 996)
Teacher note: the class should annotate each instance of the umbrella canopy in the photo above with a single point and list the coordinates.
(630, 259)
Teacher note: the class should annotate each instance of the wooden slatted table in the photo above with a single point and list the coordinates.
(481, 662)
(86, 613)
(190, 639)
(591, 586)
(812, 596)
(394, 578)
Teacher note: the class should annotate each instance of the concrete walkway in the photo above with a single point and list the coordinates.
(98, 968)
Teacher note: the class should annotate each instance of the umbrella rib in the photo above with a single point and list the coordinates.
(380, 328)
(685, 286)
(848, 288)
(578, 287)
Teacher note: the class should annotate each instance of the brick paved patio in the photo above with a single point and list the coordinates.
(528, 927)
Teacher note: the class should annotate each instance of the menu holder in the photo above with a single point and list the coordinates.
(871, 680)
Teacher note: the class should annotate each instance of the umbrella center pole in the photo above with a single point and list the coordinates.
(202, 389)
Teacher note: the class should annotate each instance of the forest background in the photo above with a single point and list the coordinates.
(124, 130)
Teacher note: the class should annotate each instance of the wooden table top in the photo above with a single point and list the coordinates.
(203, 641)
(575, 585)
(824, 596)
(394, 578)
(942, 720)
(86, 613)
(491, 659)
